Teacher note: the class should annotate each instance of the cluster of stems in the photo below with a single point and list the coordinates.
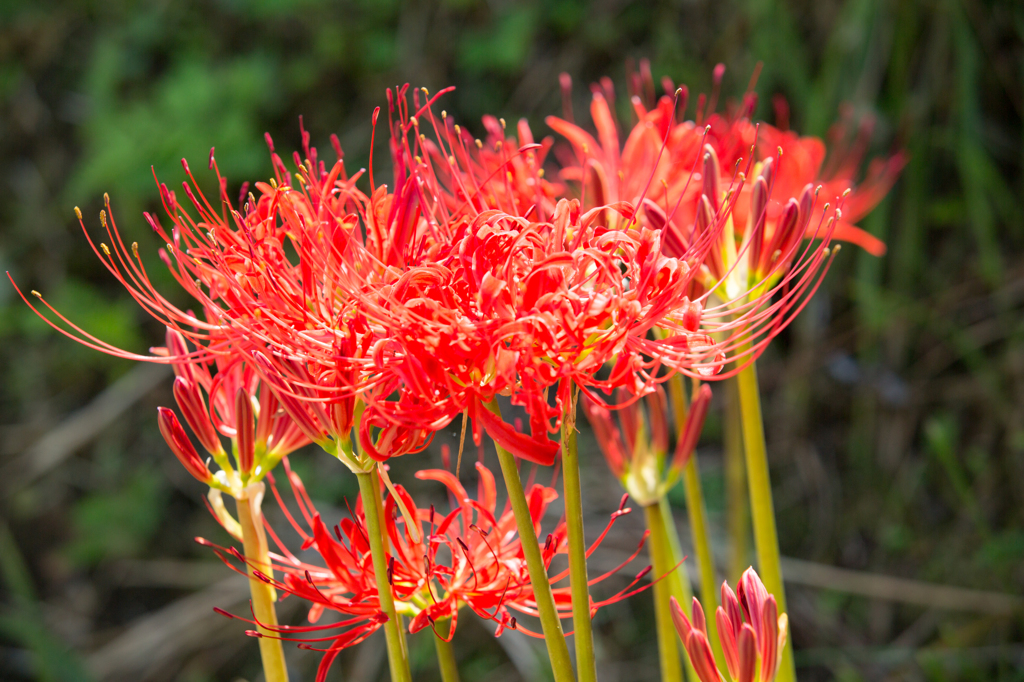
(670, 577)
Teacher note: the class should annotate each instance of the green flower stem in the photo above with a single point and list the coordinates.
(445, 653)
(737, 511)
(257, 557)
(766, 539)
(586, 665)
(658, 546)
(398, 658)
(698, 514)
(554, 638)
(679, 582)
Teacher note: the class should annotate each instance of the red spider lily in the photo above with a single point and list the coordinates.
(241, 408)
(520, 302)
(637, 452)
(470, 557)
(752, 632)
(410, 311)
(763, 189)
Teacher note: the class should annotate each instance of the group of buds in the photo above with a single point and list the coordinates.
(637, 449)
(233, 403)
(751, 629)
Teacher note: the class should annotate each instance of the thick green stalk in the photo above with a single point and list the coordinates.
(679, 582)
(737, 511)
(257, 557)
(583, 636)
(766, 539)
(445, 654)
(554, 638)
(697, 511)
(658, 546)
(398, 658)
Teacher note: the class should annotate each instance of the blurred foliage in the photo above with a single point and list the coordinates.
(896, 403)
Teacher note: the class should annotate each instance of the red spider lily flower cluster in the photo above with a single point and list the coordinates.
(473, 276)
(766, 189)
(417, 303)
(470, 557)
(231, 403)
(752, 631)
(636, 453)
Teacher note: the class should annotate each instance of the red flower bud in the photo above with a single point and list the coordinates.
(694, 425)
(181, 446)
(245, 425)
(190, 401)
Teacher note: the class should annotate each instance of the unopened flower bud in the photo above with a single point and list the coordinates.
(190, 400)
(181, 446)
(245, 425)
(694, 424)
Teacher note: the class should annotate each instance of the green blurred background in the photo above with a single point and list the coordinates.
(894, 406)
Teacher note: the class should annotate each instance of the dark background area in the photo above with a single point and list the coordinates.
(894, 405)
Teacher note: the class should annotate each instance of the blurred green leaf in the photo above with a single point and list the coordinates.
(116, 524)
(502, 47)
(23, 622)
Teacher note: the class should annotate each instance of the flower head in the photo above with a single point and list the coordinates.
(761, 190)
(636, 448)
(752, 631)
(232, 403)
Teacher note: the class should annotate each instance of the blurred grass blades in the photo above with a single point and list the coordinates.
(22, 620)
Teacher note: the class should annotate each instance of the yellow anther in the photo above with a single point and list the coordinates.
(707, 129)
(103, 218)
(419, 159)
(444, 114)
(423, 138)
(273, 183)
(816, 190)
(825, 251)
(451, 160)
(780, 150)
(839, 214)
(415, 122)
(586, 148)
(37, 294)
(78, 213)
(835, 249)
(479, 144)
(497, 145)
(106, 199)
(425, 92)
(847, 192)
(105, 248)
(502, 121)
(135, 249)
(540, 173)
(458, 130)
